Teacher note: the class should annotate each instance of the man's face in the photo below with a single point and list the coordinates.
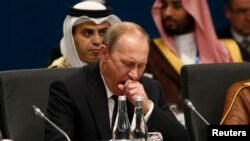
(175, 19)
(126, 61)
(88, 37)
(238, 14)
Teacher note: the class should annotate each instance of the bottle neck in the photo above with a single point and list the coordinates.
(122, 106)
(138, 103)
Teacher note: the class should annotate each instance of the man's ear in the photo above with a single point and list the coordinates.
(104, 53)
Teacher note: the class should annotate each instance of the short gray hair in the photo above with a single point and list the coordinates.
(116, 31)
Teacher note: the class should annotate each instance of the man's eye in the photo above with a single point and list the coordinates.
(128, 64)
(164, 4)
(87, 32)
(102, 32)
(177, 5)
(142, 65)
(240, 11)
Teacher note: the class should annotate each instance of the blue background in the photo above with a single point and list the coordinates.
(32, 28)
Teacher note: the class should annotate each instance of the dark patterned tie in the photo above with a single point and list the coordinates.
(115, 98)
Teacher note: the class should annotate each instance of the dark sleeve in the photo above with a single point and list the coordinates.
(162, 119)
(59, 111)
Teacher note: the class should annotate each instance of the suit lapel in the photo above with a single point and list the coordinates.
(98, 102)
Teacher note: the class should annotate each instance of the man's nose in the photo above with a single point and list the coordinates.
(168, 11)
(97, 39)
(133, 74)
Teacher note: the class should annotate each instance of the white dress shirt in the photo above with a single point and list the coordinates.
(187, 48)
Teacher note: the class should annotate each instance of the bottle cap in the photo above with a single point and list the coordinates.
(138, 98)
(122, 97)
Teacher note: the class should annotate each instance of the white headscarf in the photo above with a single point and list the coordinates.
(67, 44)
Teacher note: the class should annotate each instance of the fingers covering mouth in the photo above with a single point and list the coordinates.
(123, 82)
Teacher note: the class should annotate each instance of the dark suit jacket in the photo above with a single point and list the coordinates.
(226, 33)
(78, 104)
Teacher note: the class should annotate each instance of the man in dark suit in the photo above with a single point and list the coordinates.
(81, 103)
(238, 14)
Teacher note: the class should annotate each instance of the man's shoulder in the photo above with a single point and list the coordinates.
(60, 63)
(233, 49)
(157, 40)
(157, 44)
(86, 71)
(146, 79)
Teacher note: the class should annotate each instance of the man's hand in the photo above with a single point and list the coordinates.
(132, 89)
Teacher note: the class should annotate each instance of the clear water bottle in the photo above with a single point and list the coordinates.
(121, 129)
(139, 130)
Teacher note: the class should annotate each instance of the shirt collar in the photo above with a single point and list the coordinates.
(109, 93)
(239, 38)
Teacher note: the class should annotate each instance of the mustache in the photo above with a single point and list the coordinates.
(168, 18)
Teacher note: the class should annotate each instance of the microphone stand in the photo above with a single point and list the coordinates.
(40, 114)
(191, 106)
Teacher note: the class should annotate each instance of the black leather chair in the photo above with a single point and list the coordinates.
(205, 85)
(19, 89)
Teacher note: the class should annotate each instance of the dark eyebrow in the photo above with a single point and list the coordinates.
(105, 28)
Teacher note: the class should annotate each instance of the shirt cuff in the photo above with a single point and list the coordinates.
(146, 117)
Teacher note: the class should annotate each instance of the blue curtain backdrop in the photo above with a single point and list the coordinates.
(31, 29)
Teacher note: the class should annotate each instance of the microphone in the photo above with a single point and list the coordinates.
(191, 106)
(40, 114)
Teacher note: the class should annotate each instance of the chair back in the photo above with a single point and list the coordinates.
(19, 89)
(205, 85)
